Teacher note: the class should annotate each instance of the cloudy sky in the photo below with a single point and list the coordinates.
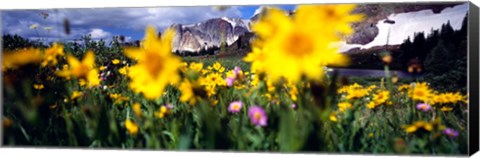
(103, 23)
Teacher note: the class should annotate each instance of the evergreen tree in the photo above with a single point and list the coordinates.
(447, 32)
(435, 61)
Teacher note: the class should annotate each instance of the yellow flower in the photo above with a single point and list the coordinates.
(50, 55)
(118, 98)
(381, 97)
(188, 95)
(346, 88)
(427, 126)
(137, 109)
(93, 78)
(162, 112)
(65, 67)
(204, 71)
(38, 86)
(256, 58)
(217, 66)
(356, 93)
(445, 108)
(7, 122)
(156, 66)
(344, 106)
(123, 70)
(421, 92)
(132, 127)
(82, 70)
(333, 117)
(210, 89)
(163, 109)
(213, 102)
(293, 91)
(213, 79)
(102, 68)
(370, 135)
(82, 82)
(289, 48)
(371, 105)
(270, 86)
(76, 94)
(196, 66)
(183, 66)
(115, 61)
(335, 16)
(403, 87)
(13, 60)
(371, 88)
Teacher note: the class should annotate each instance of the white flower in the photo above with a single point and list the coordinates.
(34, 26)
(48, 28)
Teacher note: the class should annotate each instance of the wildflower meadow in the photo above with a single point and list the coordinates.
(280, 97)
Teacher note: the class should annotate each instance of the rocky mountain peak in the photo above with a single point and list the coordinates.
(209, 33)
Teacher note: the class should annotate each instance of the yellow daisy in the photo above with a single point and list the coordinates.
(156, 66)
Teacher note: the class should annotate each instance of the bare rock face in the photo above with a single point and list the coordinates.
(212, 32)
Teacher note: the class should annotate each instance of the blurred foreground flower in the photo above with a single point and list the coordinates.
(76, 94)
(50, 55)
(131, 126)
(38, 86)
(333, 117)
(82, 70)
(287, 48)
(156, 66)
(115, 61)
(450, 133)
(257, 116)
(235, 107)
(7, 122)
(426, 126)
(13, 60)
(423, 107)
(162, 112)
(137, 109)
(188, 90)
(344, 106)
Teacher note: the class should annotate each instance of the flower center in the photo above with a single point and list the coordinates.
(81, 71)
(419, 93)
(299, 44)
(257, 116)
(236, 107)
(154, 63)
(423, 107)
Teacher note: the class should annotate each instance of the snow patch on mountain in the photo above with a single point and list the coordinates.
(258, 11)
(232, 22)
(407, 24)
